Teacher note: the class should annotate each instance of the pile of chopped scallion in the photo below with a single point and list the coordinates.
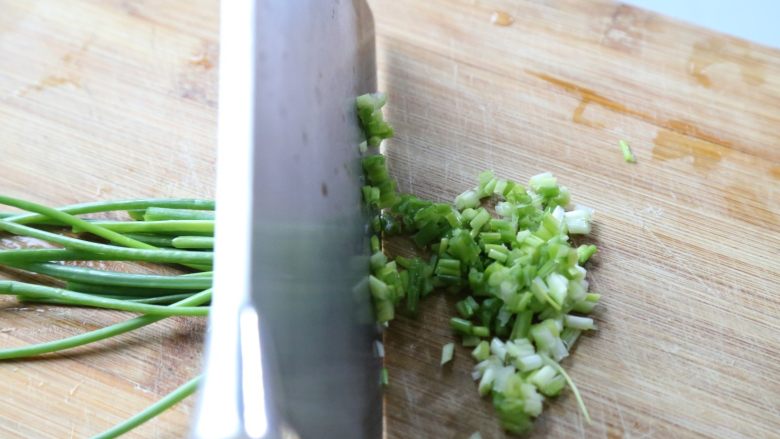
(525, 296)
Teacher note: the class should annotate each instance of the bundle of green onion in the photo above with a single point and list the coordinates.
(523, 282)
(173, 231)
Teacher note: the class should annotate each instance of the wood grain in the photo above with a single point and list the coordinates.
(102, 100)
(114, 99)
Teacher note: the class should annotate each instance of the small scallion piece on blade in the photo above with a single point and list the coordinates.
(461, 326)
(628, 155)
(470, 341)
(369, 111)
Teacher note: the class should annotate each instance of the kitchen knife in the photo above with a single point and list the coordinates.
(291, 329)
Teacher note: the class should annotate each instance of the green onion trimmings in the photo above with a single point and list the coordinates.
(628, 155)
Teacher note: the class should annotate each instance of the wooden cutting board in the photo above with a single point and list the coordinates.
(116, 99)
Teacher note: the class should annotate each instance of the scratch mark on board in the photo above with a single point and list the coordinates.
(67, 73)
(615, 404)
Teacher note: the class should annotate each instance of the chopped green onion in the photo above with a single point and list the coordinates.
(544, 184)
(480, 331)
(369, 111)
(584, 253)
(529, 363)
(479, 221)
(375, 244)
(468, 199)
(570, 336)
(486, 382)
(482, 351)
(498, 348)
(586, 305)
(543, 378)
(447, 352)
(522, 325)
(578, 221)
(628, 155)
(461, 326)
(470, 341)
(577, 322)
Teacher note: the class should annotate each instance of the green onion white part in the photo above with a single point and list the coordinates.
(447, 352)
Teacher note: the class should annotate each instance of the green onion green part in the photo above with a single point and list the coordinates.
(107, 252)
(100, 277)
(156, 213)
(82, 299)
(171, 226)
(99, 334)
(628, 155)
(193, 242)
(71, 220)
(117, 205)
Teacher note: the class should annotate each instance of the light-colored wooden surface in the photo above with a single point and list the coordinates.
(117, 99)
(102, 100)
(688, 344)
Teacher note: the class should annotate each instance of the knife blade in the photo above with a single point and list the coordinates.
(291, 329)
